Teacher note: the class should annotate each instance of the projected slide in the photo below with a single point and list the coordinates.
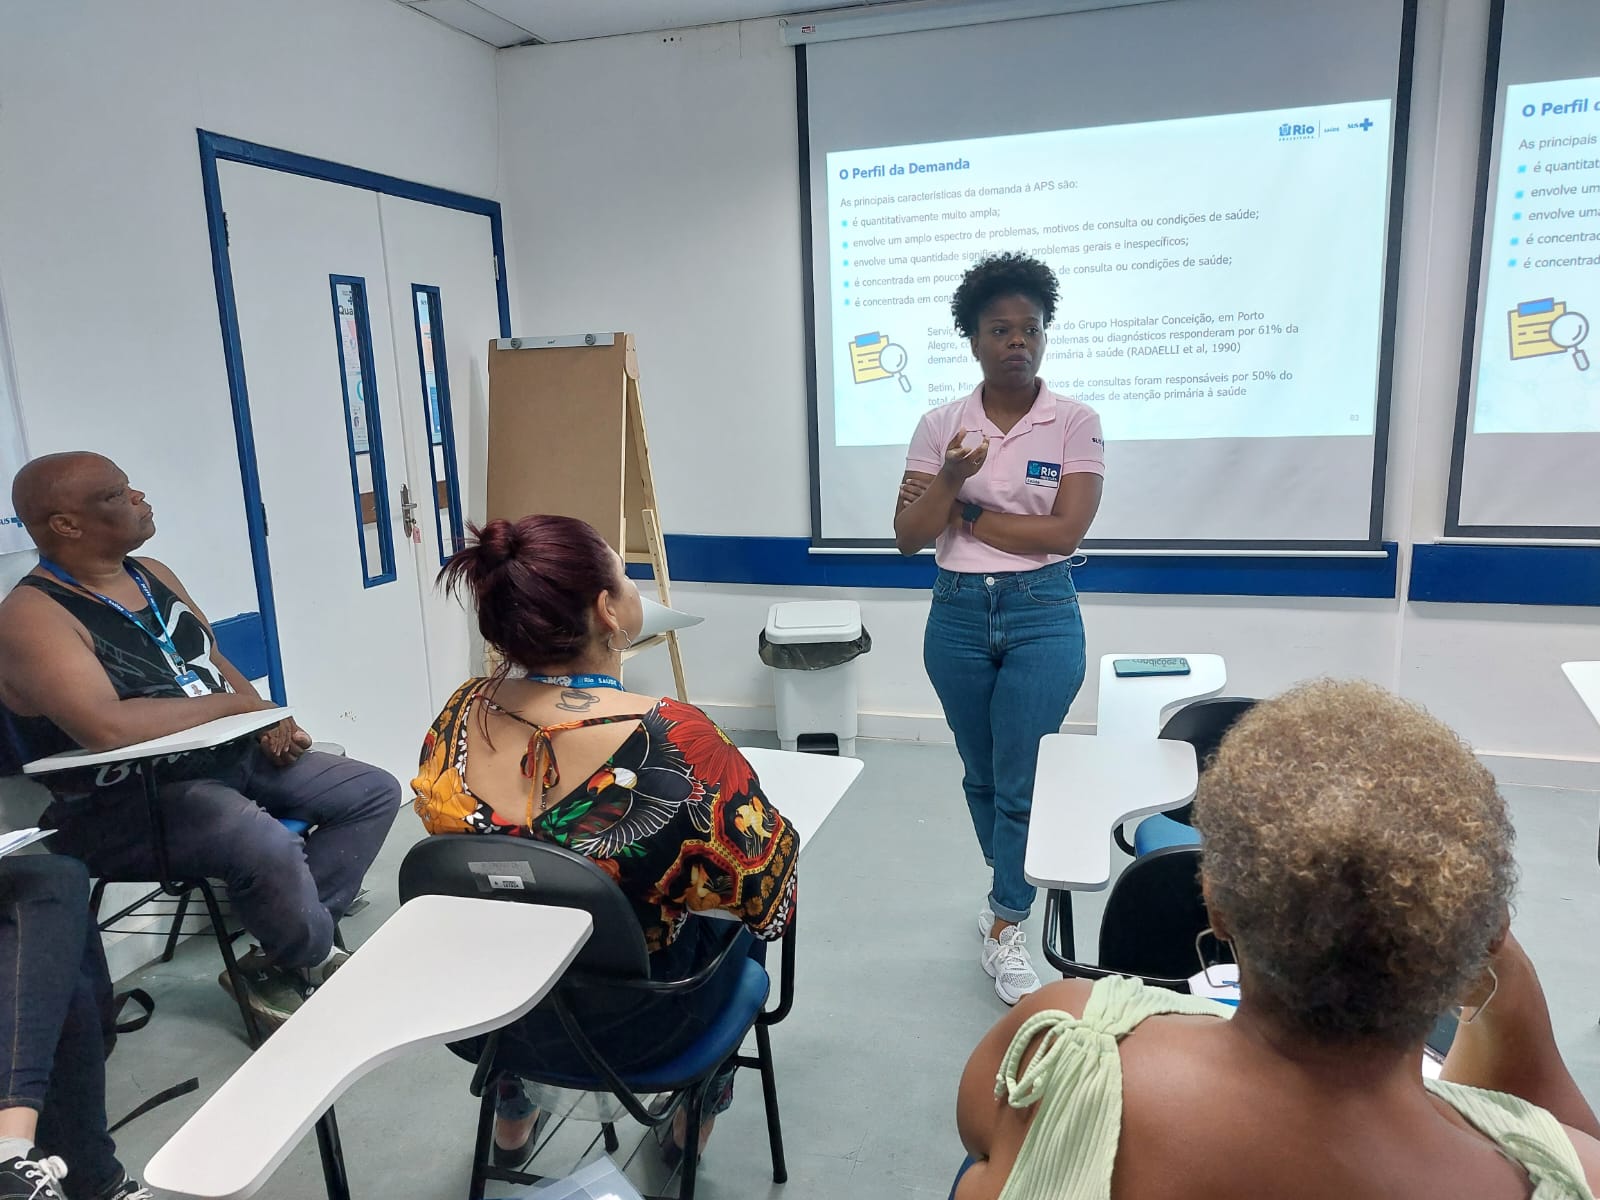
(1221, 277)
(1542, 295)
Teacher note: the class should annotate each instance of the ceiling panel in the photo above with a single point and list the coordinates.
(510, 22)
(471, 18)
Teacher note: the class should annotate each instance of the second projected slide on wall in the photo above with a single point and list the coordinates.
(1543, 253)
(1221, 277)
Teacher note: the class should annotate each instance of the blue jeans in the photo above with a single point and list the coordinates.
(55, 1015)
(287, 890)
(1005, 654)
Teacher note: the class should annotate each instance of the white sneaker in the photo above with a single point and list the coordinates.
(985, 921)
(1007, 963)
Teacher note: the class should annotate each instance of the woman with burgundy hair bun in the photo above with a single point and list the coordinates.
(648, 787)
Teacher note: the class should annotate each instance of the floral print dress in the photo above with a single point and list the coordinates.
(676, 815)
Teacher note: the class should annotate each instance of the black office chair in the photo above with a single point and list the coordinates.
(177, 893)
(1152, 918)
(611, 975)
(1202, 724)
(169, 901)
(167, 890)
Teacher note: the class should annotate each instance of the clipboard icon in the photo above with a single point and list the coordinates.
(866, 357)
(1529, 328)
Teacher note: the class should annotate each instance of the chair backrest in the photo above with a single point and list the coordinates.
(1153, 914)
(1203, 725)
(525, 871)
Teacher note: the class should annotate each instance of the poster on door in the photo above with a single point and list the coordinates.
(13, 451)
(355, 397)
(430, 378)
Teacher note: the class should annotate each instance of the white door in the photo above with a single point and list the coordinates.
(442, 293)
(323, 366)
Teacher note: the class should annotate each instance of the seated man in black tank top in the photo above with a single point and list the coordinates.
(99, 650)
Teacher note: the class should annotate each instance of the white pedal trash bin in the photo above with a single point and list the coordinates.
(812, 647)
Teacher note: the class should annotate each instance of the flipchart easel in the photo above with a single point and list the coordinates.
(566, 435)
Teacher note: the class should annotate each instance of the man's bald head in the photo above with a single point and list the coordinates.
(80, 501)
(55, 483)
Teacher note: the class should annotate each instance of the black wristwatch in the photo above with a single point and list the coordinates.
(970, 514)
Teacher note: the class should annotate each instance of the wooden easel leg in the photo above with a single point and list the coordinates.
(657, 546)
(677, 665)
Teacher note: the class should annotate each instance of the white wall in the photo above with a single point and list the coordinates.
(664, 200)
(104, 255)
(655, 188)
(103, 247)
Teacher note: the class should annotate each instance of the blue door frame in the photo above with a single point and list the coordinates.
(215, 148)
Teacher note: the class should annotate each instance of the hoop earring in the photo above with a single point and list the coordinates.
(617, 649)
(1494, 987)
(1205, 967)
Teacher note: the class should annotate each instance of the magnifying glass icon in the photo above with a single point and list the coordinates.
(893, 359)
(1568, 331)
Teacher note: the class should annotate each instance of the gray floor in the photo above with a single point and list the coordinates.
(890, 1002)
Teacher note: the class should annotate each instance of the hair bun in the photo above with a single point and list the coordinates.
(496, 543)
(534, 583)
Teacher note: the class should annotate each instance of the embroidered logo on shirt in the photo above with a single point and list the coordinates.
(1043, 474)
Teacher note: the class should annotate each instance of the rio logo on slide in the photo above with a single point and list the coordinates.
(1043, 474)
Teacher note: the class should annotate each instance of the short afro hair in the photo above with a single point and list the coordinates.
(1361, 858)
(1008, 274)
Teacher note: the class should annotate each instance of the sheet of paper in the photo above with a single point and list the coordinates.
(658, 618)
(10, 843)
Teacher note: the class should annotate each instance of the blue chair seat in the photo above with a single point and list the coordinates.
(1158, 831)
(610, 975)
(700, 1058)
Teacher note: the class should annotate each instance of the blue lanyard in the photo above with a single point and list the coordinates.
(162, 639)
(578, 681)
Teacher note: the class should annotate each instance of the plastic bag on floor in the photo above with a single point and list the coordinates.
(600, 1180)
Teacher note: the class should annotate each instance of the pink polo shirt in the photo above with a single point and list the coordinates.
(1021, 475)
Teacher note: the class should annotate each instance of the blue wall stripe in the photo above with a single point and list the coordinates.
(1546, 575)
(787, 562)
(1462, 574)
(243, 642)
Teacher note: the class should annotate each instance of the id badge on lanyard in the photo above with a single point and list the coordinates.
(192, 684)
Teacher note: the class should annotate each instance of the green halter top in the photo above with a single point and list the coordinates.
(1076, 1080)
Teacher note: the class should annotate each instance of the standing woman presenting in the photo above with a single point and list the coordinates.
(1005, 483)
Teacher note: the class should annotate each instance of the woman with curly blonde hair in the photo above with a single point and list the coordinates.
(1359, 860)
